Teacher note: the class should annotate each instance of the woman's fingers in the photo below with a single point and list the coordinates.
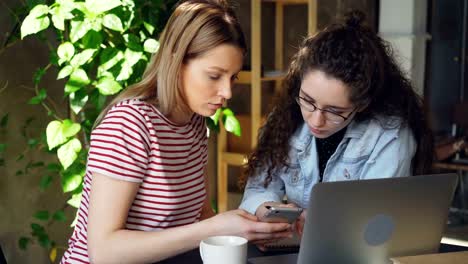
(264, 227)
(269, 237)
(246, 215)
(299, 225)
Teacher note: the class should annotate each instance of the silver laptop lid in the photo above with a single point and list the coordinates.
(369, 221)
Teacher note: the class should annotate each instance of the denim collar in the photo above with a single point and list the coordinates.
(302, 137)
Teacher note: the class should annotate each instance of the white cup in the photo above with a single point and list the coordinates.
(224, 249)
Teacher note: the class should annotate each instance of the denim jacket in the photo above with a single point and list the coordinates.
(375, 148)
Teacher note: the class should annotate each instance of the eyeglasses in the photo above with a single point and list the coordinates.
(330, 116)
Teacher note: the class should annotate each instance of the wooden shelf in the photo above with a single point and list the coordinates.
(450, 166)
(245, 77)
(236, 159)
(287, 2)
(232, 151)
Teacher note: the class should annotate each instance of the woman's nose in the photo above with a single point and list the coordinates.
(317, 119)
(226, 90)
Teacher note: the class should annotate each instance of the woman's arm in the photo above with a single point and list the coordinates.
(110, 242)
(255, 193)
(207, 210)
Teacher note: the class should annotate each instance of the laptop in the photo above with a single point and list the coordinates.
(371, 221)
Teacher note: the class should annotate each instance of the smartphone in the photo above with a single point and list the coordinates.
(281, 214)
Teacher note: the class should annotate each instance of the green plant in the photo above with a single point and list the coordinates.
(102, 46)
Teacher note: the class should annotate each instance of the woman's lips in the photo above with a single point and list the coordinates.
(316, 131)
(215, 106)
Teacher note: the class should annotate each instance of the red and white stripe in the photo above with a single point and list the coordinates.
(136, 143)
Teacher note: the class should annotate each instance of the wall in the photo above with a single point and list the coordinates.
(20, 196)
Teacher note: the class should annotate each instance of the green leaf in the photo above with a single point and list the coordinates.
(66, 51)
(227, 112)
(59, 216)
(108, 86)
(32, 142)
(75, 200)
(78, 79)
(55, 134)
(32, 165)
(113, 22)
(98, 6)
(75, 220)
(45, 182)
(53, 58)
(61, 12)
(38, 75)
(92, 40)
(69, 128)
(151, 45)
(133, 42)
(98, 100)
(2, 162)
(42, 215)
(20, 157)
(36, 21)
(4, 120)
(78, 100)
(231, 124)
(54, 167)
(58, 133)
(211, 125)
(71, 180)
(23, 242)
(149, 27)
(2, 147)
(44, 240)
(82, 57)
(216, 116)
(131, 58)
(96, 23)
(39, 98)
(64, 72)
(19, 172)
(57, 19)
(110, 57)
(37, 229)
(79, 29)
(68, 152)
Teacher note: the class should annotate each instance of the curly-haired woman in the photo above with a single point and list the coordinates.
(347, 113)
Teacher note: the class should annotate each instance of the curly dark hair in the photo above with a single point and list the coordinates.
(352, 53)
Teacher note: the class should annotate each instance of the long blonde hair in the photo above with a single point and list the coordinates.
(195, 27)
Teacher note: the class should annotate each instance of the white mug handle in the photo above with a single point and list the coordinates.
(201, 251)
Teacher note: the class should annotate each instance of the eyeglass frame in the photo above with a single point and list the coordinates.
(298, 99)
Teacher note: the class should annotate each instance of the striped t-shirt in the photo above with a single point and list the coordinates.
(136, 143)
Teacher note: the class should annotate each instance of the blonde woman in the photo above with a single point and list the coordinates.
(144, 196)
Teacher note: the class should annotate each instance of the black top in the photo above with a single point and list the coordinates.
(326, 147)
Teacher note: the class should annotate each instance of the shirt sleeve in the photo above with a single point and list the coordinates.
(120, 145)
(256, 194)
(394, 158)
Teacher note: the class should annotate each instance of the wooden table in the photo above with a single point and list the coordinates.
(193, 256)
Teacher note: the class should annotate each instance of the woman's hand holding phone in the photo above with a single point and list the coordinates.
(299, 224)
(279, 212)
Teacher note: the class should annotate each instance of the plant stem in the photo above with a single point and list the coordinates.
(36, 89)
(4, 87)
